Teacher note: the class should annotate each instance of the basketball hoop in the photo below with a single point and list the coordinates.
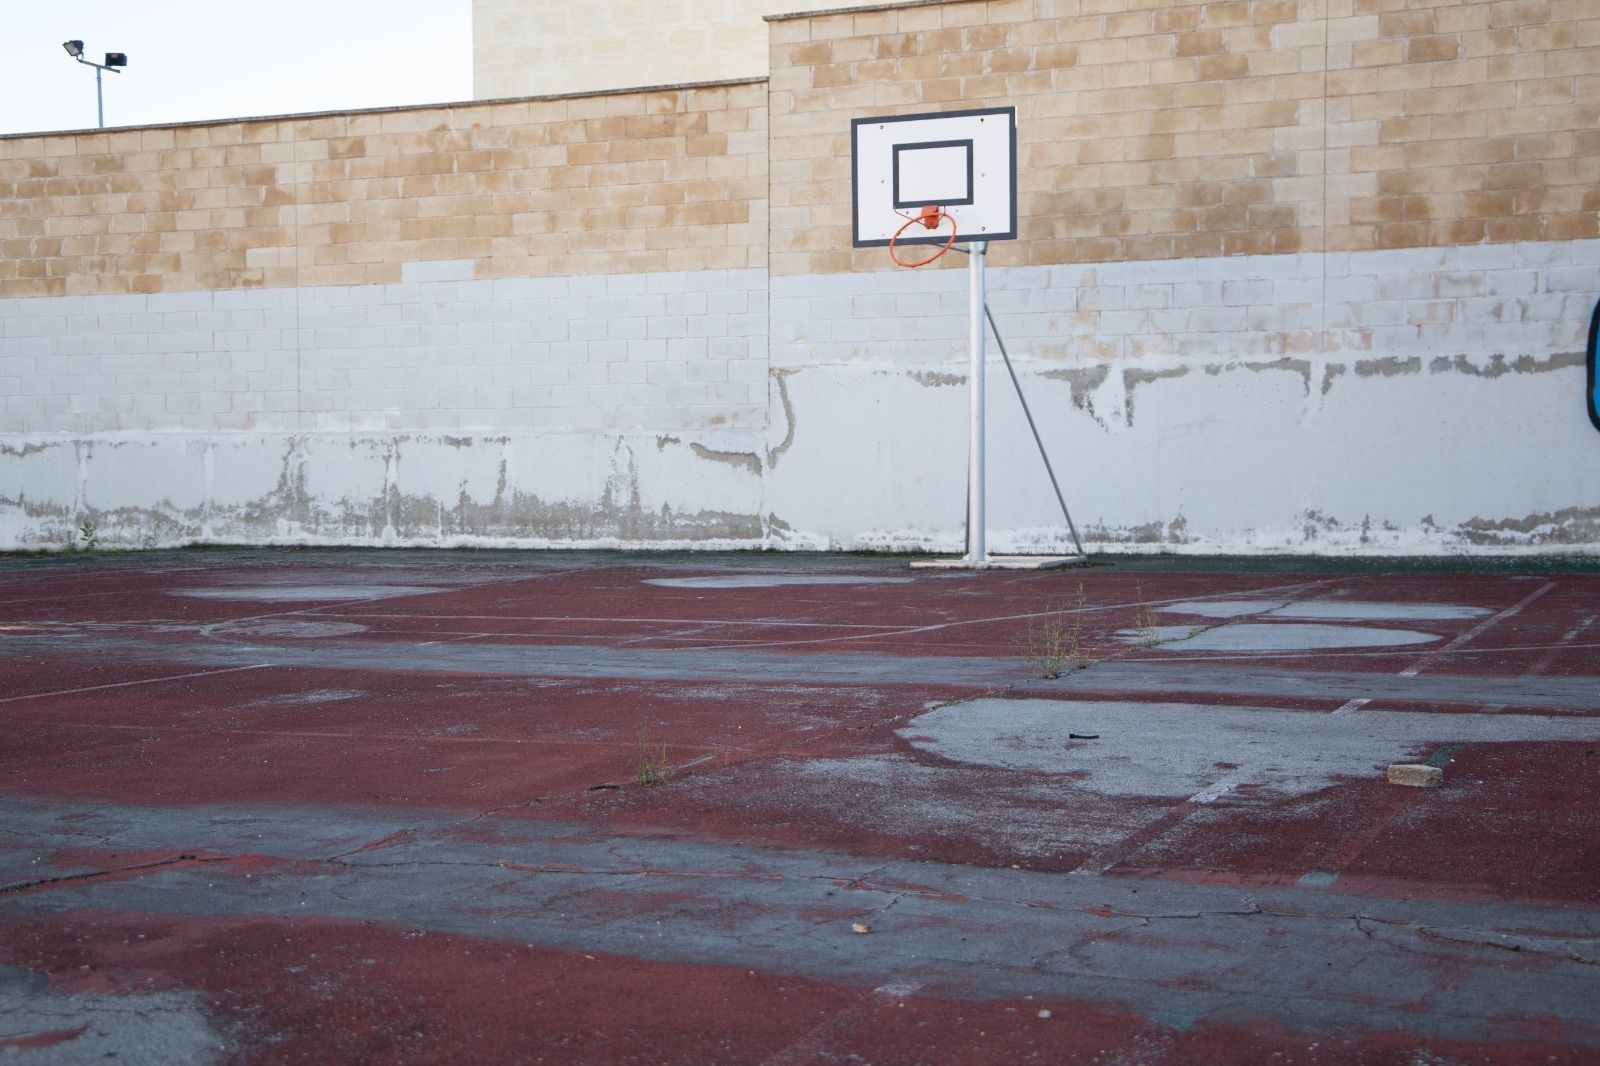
(930, 218)
(955, 169)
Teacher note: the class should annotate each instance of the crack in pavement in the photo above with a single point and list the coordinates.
(1562, 947)
(111, 872)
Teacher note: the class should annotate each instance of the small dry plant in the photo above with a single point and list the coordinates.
(1047, 645)
(1056, 641)
(1144, 620)
(649, 758)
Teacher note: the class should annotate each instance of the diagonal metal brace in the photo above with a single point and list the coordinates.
(1078, 544)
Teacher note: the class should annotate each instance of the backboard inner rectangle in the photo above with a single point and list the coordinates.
(937, 173)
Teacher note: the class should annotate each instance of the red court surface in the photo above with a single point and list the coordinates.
(274, 806)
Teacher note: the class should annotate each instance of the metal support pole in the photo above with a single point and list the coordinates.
(976, 550)
(99, 70)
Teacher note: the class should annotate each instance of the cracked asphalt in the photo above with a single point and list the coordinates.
(275, 806)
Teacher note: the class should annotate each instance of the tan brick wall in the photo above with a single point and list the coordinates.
(668, 180)
(1467, 122)
(1153, 129)
(543, 47)
(1149, 129)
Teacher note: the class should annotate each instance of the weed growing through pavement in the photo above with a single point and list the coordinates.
(1056, 641)
(86, 539)
(1048, 639)
(649, 759)
(1080, 657)
(1144, 620)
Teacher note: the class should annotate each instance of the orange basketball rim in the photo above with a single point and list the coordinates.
(931, 217)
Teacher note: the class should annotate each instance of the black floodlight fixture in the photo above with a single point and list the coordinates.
(115, 61)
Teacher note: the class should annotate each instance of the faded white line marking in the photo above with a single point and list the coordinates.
(1542, 664)
(887, 631)
(128, 684)
(1478, 630)
(1417, 667)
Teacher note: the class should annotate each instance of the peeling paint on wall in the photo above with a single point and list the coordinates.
(1388, 367)
(1100, 532)
(287, 511)
(1570, 526)
(746, 460)
(1083, 381)
(935, 379)
(781, 379)
(1499, 365)
(1133, 377)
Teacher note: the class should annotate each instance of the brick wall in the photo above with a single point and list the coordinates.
(1174, 130)
(538, 47)
(667, 180)
(587, 263)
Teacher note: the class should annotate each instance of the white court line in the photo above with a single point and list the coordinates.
(317, 609)
(645, 621)
(1047, 613)
(1385, 653)
(1476, 631)
(1542, 664)
(127, 684)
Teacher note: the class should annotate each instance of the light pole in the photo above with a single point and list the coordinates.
(114, 61)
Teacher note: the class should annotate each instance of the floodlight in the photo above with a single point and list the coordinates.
(115, 61)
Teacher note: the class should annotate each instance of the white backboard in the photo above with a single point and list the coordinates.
(963, 162)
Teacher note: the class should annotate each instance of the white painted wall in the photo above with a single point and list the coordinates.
(441, 350)
(1421, 400)
(1426, 400)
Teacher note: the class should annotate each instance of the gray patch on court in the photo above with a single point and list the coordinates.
(1331, 609)
(549, 664)
(901, 796)
(1252, 636)
(1182, 678)
(304, 593)
(557, 660)
(68, 1028)
(1174, 749)
(1223, 608)
(296, 630)
(769, 581)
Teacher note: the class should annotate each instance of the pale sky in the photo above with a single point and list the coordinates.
(208, 59)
